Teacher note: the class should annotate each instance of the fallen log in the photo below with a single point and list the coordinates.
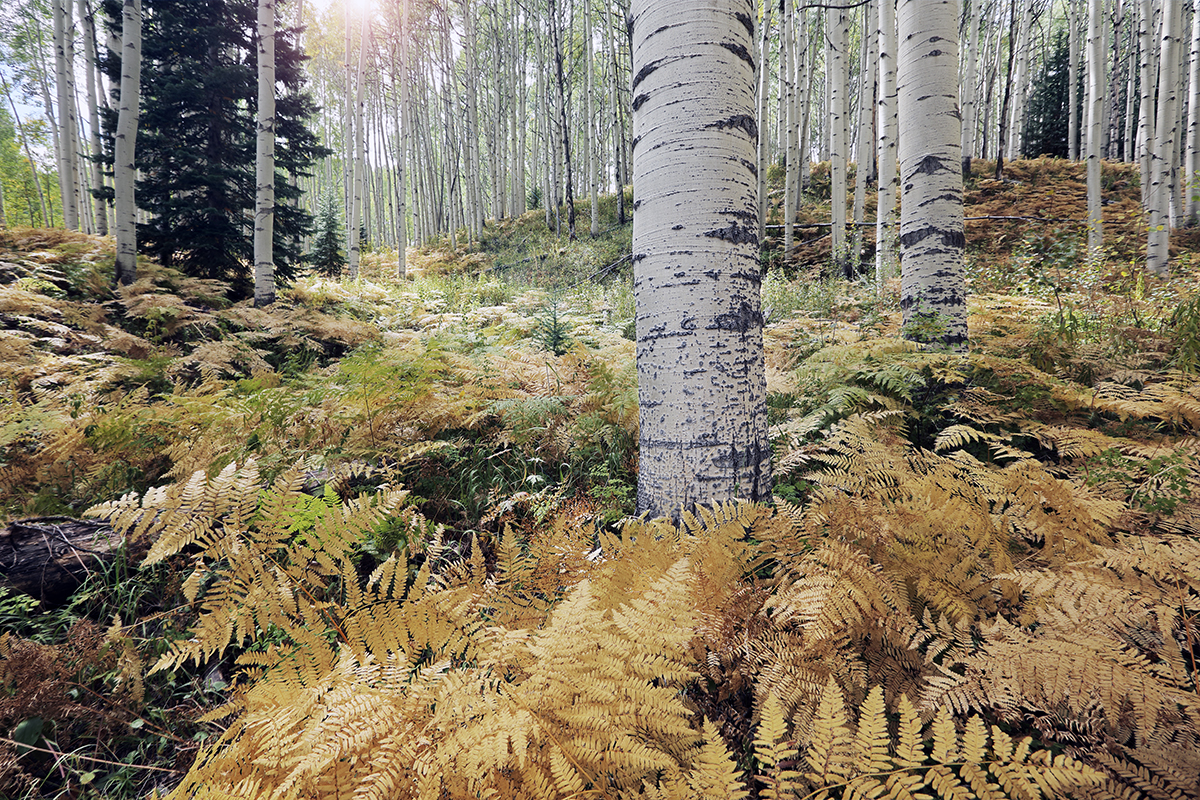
(49, 557)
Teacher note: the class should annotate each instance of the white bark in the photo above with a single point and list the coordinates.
(701, 382)
(837, 66)
(1145, 136)
(592, 150)
(1016, 125)
(764, 91)
(864, 162)
(886, 232)
(1073, 79)
(402, 145)
(264, 164)
(353, 243)
(68, 166)
(88, 21)
(788, 118)
(1192, 173)
(1095, 102)
(1165, 126)
(933, 288)
(125, 142)
(970, 94)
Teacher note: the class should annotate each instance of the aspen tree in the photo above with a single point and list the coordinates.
(614, 100)
(933, 287)
(125, 142)
(701, 380)
(1016, 125)
(864, 161)
(589, 122)
(354, 245)
(1145, 135)
(969, 92)
(1165, 127)
(886, 235)
(64, 71)
(1073, 80)
(787, 115)
(402, 123)
(1192, 172)
(100, 206)
(264, 166)
(764, 91)
(28, 151)
(837, 67)
(1095, 102)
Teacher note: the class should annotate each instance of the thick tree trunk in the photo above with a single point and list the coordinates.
(701, 382)
(125, 142)
(933, 288)
(1095, 98)
(886, 247)
(1165, 127)
(264, 164)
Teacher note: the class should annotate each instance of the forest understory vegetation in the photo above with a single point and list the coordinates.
(377, 537)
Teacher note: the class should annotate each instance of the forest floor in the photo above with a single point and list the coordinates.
(496, 384)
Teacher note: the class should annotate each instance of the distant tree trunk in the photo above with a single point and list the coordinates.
(264, 165)
(1095, 97)
(590, 122)
(701, 380)
(88, 21)
(67, 123)
(1016, 126)
(864, 163)
(564, 126)
(1192, 173)
(125, 144)
(1112, 107)
(1002, 136)
(402, 145)
(886, 236)
(836, 64)
(614, 100)
(353, 236)
(1073, 80)
(764, 106)
(788, 120)
(1157, 257)
(933, 288)
(974, 20)
(1145, 136)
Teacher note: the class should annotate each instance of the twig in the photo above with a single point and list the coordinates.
(1031, 219)
(59, 755)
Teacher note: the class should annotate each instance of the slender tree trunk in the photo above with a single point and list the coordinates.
(1158, 239)
(402, 145)
(564, 125)
(975, 19)
(788, 119)
(887, 244)
(264, 164)
(1073, 79)
(1145, 137)
(701, 380)
(1002, 137)
(614, 100)
(125, 142)
(764, 110)
(63, 71)
(1095, 97)
(590, 122)
(353, 233)
(866, 133)
(88, 21)
(837, 22)
(1192, 173)
(1112, 105)
(933, 287)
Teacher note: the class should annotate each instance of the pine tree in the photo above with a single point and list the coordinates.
(326, 256)
(1047, 126)
(196, 142)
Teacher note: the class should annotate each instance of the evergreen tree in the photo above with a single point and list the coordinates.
(196, 140)
(326, 256)
(1048, 122)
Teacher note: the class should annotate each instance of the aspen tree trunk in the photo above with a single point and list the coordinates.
(614, 99)
(564, 125)
(1073, 80)
(521, 152)
(864, 165)
(701, 381)
(1157, 257)
(806, 104)
(787, 117)
(590, 127)
(933, 287)
(1112, 106)
(354, 220)
(764, 110)
(475, 213)
(1128, 143)
(125, 142)
(969, 104)
(264, 163)
(1016, 125)
(67, 166)
(837, 67)
(88, 21)
(1002, 136)
(402, 145)
(886, 234)
(1192, 173)
(1145, 136)
(1095, 98)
